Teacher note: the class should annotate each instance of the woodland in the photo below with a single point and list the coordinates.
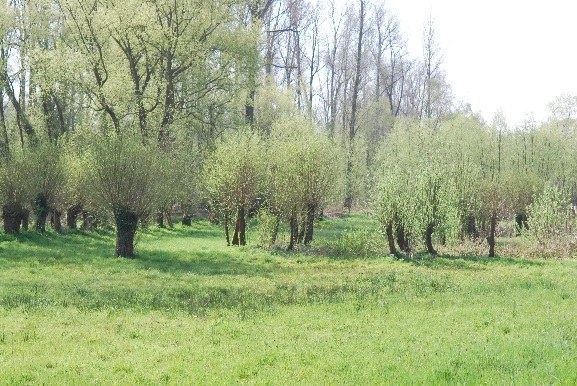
(123, 114)
(271, 192)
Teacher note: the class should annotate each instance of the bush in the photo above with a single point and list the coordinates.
(16, 191)
(267, 228)
(549, 215)
(124, 177)
(46, 168)
(232, 176)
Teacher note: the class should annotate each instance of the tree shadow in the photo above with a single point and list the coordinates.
(96, 249)
(205, 263)
(471, 262)
(201, 230)
(72, 246)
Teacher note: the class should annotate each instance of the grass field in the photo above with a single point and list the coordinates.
(189, 310)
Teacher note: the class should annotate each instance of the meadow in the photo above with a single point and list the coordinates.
(189, 310)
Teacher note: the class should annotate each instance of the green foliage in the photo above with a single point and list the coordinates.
(273, 104)
(267, 228)
(16, 185)
(549, 214)
(232, 174)
(357, 182)
(434, 201)
(353, 243)
(77, 176)
(304, 168)
(48, 174)
(444, 176)
(417, 188)
(124, 173)
(184, 183)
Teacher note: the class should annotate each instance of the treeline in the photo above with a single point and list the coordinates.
(119, 111)
(456, 180)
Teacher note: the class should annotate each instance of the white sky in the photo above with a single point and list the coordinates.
(512, 55)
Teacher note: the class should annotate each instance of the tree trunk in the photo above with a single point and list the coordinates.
(72, 215)
(357, 81)
(126, 223)
(491, 238)
(12, 217)
(274, 234)
(239, 236)
(391, 240)
(235, 239)
(25, 219)
(429, 239)
(4, 142)
(249, 109)
(226, 232)
(169, 104)
(87, 221)
(301, 233)
(402, 239)
(310, 222)
(169, 222)
(160, 219)
(41, 212)
(294, 225)
(472, 231)
(186, 220)
(521, 221)
(56, 221)
(242, 226)
(21, 117)
(443, 239)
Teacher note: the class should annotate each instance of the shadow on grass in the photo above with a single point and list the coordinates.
(97, 249)
(77, 247)
(467, 262)
(72, 246)
(199, 229)
(210, 263)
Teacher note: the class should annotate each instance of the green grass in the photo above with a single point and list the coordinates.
(190, 310)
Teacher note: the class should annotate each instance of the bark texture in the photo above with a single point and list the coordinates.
(294, 225)
(72, 214)
(56, 221)
(239, 236)
(12, 217)
(491, 238)
(41, 212)
(429, 239)
(402, 240)
(391, 239)
(310, 222)
(126, 223)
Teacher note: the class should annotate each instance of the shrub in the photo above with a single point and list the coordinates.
(16, 191)
(549, 215)
(267, 228)
(232, 176)
(124, 177)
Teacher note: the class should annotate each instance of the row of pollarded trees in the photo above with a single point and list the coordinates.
(292, 173)
(107, 177)
(32, 181)
(144, 90)
(455, 180)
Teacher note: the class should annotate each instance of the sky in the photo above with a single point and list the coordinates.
(509, 55)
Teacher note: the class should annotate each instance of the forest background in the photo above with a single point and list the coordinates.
(124, 111)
